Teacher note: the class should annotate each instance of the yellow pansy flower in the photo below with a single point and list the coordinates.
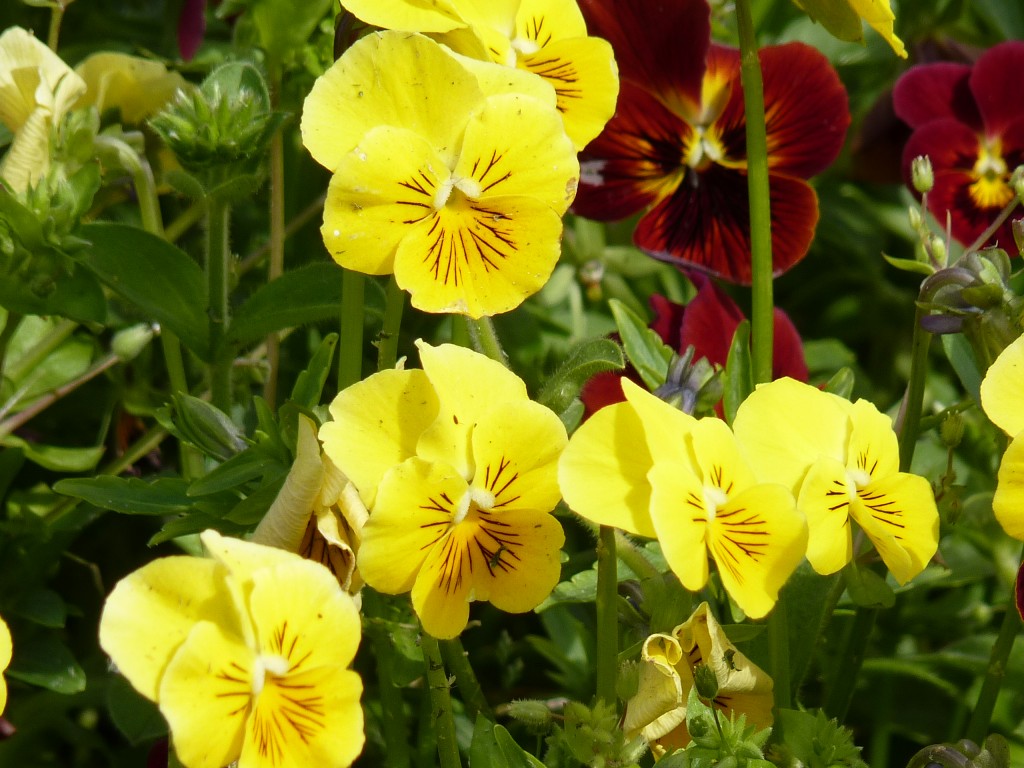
(36, 90)
(456, 191)
(652, 470)
(136, 87)
(658, 709)
(5, 659)
(245, 653)
(1002, 398)
(879, 16)
(457, 466)
(841, 460)
(545, 37)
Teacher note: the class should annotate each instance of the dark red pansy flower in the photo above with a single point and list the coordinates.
(191, 28)
(970, 121)
(676, 147)
(708, 322)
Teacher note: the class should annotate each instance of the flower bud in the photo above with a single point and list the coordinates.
(706, 681)
(531, 712)
(937, 248)
(1017, 225)
(951, 430)
(921, 174)
(915, 218)
(1017, 181)
(128, 343)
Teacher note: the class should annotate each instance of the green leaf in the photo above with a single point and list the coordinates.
(583, 361)
(836, 16)
(739, 373)
(514, 755)
(236, 472)
(961, 357)
(309, 386)
(129, 495)
(253, 507)
(910, 265)
(196, 522)
(867, 589)
(135, 716)
(55, 457)
(298, 297)
(284, 26)
(644, 348)
(45, 661)
(841, 383)
(41, 606)
(160, 279)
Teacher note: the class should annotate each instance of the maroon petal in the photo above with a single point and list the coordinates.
(710, 322)
(705, 223)
(605, 388)
(191, 28)
(635, 161)
(996, 88)
(935, 92)
(659, 44)
(950, 144)
(787, 349)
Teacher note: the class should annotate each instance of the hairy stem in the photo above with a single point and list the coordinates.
(485, 339)
(607, 615)
(470, 692)
(218, 270)
(387, 344)
(442, 720)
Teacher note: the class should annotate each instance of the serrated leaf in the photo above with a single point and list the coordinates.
(298, 297)
(45, 661)
(739, 372)
(161, 280)
(583, 361)
(129, 495)
(644, 348)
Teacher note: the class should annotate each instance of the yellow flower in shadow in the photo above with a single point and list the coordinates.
(5, 659)
(1002, 398)
(658, 710)
(457, 466)
(245, 652)
(841, 460)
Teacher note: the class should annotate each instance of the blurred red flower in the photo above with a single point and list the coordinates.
(676, 147)
(970, 121)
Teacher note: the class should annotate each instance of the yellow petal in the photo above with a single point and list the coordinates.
(717, 457)
(603, 471)
(899, 516)
(873, 449)
(516, 145)
(244, 558)
(379, 193)
(306, 719)
(479, 258)
(680, 516)
(583, 73)
(151, 612)
(655, 708)
(468, 384)
(415, 506)
(515, 452)
(735, 672)
(206, 696)
(1002, 387)
(135, 86)
(285, 522)
(28, 158)
(389, 79)
(444, 585)
(878, 13)
(825, 501)
(757, 539)
(377, 423)
(5, 659)
(665, 428)
(784, 426)
(1008, 503)
(29, 70)
(407, 15)
(496, 79)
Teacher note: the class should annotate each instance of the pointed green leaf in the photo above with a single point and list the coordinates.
(644, 348)
(45, 661)
(309, 386)
(583, 361)
(836, 16)
(739, 374)
(129, 495)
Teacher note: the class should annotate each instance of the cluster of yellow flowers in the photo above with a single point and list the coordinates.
(454, 151)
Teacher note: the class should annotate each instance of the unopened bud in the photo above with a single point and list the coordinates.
(937, 248)
(915, 218)
(1017, 225)
(921, 174)
(531, 712)
(127, 344)
(706, 682)
(1017, 181)
(951, 430)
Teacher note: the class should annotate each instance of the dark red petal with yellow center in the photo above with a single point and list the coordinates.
(935, 92)
(996, 86)
(804, 134)
(635, 161)
(661, 44)
(705, 223)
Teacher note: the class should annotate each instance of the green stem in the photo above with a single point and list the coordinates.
(31, 359)
(310, 212)
(11, 324)
(188, 219)
(443, 722)
(387, 345)
(851, 658)
(630, 554)
(607, 615)
(977, 728)
(762, 321)
(470, 692)
(277, 234)
(53, 34)
(913, 400)
(778, 645)
(350, 350)
(485, 339)
(218, 268)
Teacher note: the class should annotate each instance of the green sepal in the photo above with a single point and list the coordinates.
(867, 589)
(910, 265)
(583, 361)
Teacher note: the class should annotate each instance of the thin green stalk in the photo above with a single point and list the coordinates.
(188, 219)
(11, 324)
(470, 692)
(778, 645)
(387, 344)
(977, 728)
(852, 657)
(443, 722)
(350, 350)
(218, 269)
(33, 357)
(485, 339)
(762, 323)
(913, 400)
(53, 35)
(607, 615)
(277, 234)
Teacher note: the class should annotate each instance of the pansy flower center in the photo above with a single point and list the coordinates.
(703, 149)
(990, 188)
(714, 499)
(276, 666)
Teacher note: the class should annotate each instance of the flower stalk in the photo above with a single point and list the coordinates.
(443, 722)
(457, 660)
(607, 615)
(387, 345)
(218, 269)
(485, 339)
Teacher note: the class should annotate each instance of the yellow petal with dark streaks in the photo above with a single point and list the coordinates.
(873, 448)
(520, 554)
(680, 517)
(824, 500)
